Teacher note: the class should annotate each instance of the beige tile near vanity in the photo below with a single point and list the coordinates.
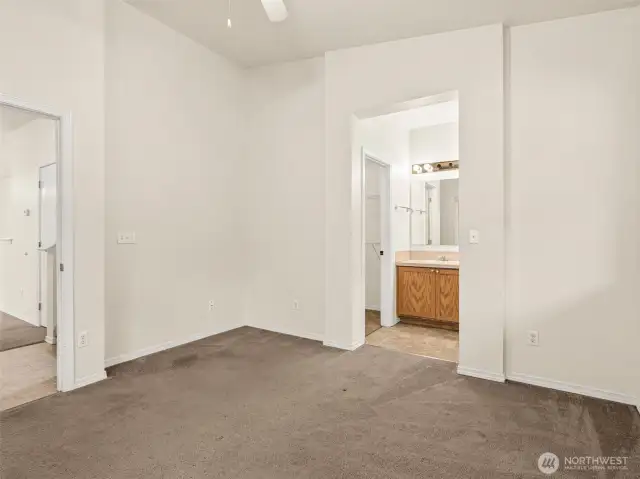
(27, 374)
(419, 340)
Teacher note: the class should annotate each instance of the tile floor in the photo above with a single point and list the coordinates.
(371, 321)
(422, 341)
(27, 374)
(16, 333)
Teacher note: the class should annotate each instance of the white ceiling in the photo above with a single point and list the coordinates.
(317, 26)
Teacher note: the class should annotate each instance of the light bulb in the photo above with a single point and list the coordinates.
(228, 22)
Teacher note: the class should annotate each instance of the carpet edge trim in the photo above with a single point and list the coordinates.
(481, 374)
(87, 380)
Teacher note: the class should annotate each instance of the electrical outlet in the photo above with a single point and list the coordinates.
(83, 339)
(533, 338)
(296, 305)
(127, 238)
(212, 305)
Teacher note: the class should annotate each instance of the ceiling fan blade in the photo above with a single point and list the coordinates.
(276, 10)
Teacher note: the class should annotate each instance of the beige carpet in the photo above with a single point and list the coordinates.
(252, 404)
(15, 333)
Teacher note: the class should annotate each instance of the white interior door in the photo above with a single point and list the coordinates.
(386, 271)
(48, 206)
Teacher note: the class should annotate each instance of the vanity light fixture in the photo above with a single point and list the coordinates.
(419, 169)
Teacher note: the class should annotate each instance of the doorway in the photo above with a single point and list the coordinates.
(422, 145)
(36, 315)
(377, 243)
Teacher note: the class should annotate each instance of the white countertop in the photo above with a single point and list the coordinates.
(429, 263)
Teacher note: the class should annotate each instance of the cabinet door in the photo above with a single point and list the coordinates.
(448, 296)
(416, 292)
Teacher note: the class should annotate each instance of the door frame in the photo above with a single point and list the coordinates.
(42, 257)
(65, 367)
(387, 263)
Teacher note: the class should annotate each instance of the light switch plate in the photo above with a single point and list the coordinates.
(126, 238)
(474, 237)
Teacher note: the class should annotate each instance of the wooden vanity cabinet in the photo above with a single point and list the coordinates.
(428, 295)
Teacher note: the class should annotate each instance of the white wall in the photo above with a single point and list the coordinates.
(284, 161)
(27, 143)
(53, 54)
(470, 62)
(434, 143)
(174, 170)
(573, 203)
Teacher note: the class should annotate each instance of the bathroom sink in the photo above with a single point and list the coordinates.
(436, 263)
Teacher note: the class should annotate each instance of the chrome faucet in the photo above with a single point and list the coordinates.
(442, 258)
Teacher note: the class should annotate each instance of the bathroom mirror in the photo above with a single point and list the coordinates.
(435, 212)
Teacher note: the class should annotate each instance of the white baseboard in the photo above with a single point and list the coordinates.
(395, 321)
(50, 340)
(94, 378)
(123, 358)
(479, 373)
(305, 335)
(373, 308)
(573, 388)
(346, 347)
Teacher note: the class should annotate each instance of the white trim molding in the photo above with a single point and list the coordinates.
(94, 378)
(478, 373)
(304, 335)
(574, 388)
(123, 358)
(345, 347)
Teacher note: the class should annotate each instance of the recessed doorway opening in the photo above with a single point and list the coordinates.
(36, 298)
(419, 147)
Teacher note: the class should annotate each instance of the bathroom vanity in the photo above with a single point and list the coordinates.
(428, 292)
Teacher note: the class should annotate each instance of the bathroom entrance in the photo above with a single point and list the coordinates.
(421, 145)
(28, 237)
